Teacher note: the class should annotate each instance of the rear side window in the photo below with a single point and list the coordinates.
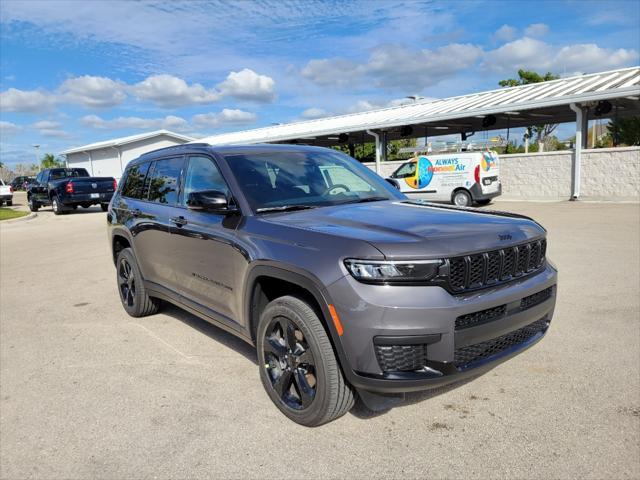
(163, 186)
(133, 186)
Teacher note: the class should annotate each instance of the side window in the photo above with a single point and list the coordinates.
(133, 186)
(163, 187)
(202, 174)
(406, 170)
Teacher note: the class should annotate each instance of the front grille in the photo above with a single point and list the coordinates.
(484, 269)
(478, 318)
(536, 298)
(401, 358)
(464, 356)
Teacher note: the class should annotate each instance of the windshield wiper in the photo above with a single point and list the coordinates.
(284, 208)
(368, 199)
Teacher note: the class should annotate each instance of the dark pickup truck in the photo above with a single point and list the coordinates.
(66, 188)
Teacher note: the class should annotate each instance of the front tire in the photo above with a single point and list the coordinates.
(461, 198)
(133, 294)
(298, 367)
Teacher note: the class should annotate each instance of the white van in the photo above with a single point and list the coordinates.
(460, 178)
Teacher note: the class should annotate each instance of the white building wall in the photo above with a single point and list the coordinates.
(105, 162)
(605, 174)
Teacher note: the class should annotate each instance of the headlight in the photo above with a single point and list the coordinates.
(374, 271)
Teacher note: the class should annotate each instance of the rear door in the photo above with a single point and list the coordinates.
(39, 189)
(489, 172)
(205, 253)
(152, 215)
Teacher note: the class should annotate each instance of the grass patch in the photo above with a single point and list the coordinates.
(8, 214)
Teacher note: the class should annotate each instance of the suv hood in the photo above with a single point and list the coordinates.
(410, 230)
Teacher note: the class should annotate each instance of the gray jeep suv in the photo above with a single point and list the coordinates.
(343, 284)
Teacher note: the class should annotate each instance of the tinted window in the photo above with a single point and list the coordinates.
(309, 178)
(202, 174)
(163, 186)
(58, 173)
(133, 186)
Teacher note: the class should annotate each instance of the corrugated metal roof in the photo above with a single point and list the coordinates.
(125, 140)
(582, 88)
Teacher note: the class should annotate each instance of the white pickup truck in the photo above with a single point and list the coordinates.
(6, 193)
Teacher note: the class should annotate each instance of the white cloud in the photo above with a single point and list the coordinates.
(225, 117)
(505, 33)
(536, 30)
(332, 72)
(49, 128)
(313, 113)
(248, 85)
(168, 91)
(8, 128)
(395, 67)
(170, 122)
(14, 100)
(93, 92)
(534, 54)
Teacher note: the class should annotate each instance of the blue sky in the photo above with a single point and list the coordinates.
(75, 72)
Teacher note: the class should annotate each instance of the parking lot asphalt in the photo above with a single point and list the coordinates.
(89, 392)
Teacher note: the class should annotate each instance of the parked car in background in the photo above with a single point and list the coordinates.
(342, 283)
(6, 194)
(22, 182)
(461, 178)
(67, 188)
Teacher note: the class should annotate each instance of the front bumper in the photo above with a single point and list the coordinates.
(80, 198)
(427, 316)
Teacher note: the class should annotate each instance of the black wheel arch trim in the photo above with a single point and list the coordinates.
(308, 282)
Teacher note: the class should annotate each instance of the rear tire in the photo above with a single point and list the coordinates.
(56, 206)
(298, 367)
(133, 294)
(33, 205)
(461, 198)
(104, 206)
(9, 203)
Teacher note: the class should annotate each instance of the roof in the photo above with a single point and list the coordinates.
(125, 140)
(225, 150)
(549, 99)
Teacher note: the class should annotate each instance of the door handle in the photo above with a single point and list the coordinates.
(180, 221)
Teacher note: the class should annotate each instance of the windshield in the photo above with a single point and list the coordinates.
(59, 173)
(306, 179)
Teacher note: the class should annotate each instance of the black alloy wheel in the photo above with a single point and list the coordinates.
(127, 283)
(290, 363)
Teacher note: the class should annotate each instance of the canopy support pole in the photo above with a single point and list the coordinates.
(577, 151)
(378, 149)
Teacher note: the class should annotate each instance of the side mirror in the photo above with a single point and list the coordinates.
(210, 201)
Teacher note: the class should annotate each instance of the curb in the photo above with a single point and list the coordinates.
(32, 215)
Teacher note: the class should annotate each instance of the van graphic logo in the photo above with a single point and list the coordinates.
(94, 185)
(505, 237)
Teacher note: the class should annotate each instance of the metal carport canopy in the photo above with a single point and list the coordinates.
(547, 102)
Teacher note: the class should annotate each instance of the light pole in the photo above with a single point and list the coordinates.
(37, 147)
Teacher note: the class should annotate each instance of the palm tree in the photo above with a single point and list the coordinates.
(49, 160)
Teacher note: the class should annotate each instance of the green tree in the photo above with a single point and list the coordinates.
(542, 133)
(49, 160)
(625, 131)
